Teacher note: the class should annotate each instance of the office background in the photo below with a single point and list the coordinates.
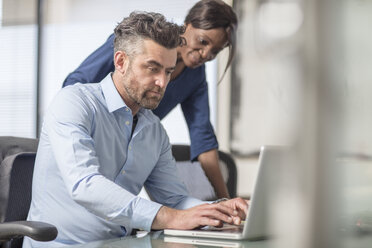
(301, 77)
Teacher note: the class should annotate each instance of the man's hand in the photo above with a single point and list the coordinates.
(240, 208)
(231, 211)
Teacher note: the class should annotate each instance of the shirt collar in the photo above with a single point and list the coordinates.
(115, 102)
(112, 96)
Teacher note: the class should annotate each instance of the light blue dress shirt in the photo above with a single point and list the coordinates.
(89, 170)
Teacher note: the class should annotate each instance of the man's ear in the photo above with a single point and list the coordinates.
(121, 61)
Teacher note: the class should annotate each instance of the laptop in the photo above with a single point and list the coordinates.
(203, 242)
(255, 226)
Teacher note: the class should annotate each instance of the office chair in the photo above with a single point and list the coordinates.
(16, 172)
(10, 145)
(227, 166)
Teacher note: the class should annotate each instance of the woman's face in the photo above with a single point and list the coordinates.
(202, 45)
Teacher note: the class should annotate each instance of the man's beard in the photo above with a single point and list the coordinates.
(141, 98)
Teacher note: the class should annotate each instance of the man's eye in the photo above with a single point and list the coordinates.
(153, 69)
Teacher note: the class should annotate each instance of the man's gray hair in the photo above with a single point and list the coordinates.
(139, 26)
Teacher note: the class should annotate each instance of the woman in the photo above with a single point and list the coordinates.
(210, 26)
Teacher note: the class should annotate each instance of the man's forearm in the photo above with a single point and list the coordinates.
(210, 164)
(164, 218)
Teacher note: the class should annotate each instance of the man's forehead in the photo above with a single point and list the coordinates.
(154, 52)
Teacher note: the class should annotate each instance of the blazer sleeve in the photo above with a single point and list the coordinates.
(96, 66)
(196, 111)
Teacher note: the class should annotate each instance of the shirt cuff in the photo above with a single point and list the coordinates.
(144, 214)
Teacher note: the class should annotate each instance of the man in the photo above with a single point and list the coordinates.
(210, 25)
(100, 144)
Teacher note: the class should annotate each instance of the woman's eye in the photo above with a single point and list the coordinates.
(203, 42)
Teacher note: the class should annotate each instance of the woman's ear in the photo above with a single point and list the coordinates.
(121, 61)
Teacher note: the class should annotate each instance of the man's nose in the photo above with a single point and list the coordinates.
(161, 80)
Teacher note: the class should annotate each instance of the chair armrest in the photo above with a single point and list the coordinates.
(36, 230)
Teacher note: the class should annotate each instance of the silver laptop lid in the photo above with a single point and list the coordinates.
(257, 223)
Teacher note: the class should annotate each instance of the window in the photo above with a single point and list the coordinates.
(18, 68)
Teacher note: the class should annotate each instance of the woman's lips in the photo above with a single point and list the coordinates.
(195, 60)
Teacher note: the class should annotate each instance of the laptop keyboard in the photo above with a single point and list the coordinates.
(225, 228)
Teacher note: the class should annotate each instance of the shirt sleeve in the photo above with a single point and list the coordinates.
(68, 126)
(164, 184)
(196, 111)
(96, 66)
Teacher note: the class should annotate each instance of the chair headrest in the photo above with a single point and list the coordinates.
(10, 145)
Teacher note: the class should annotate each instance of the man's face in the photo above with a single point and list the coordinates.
(147, 75)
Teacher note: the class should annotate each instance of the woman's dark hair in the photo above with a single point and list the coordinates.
(146, 25)
(211, 14)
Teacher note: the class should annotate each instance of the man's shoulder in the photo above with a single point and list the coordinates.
(78, 94)
(81, 88)
(81, 91)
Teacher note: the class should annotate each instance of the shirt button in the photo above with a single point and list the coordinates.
(126, 109)
(123, 172)
(127, 123)
(130, 147)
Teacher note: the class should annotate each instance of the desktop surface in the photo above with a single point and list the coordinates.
(158, 239)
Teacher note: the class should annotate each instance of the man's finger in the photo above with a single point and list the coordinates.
(237, 220)
(205, 221)
(218, 215)
(226, 209)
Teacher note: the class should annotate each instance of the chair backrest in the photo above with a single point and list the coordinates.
(16, 173)
(10, 145)
(227, 165)
(17, 159)
(14, 165)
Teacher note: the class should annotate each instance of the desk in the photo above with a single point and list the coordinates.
(157, 240)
